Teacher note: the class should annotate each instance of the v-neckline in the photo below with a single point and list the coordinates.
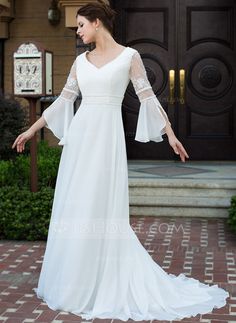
(104, 65)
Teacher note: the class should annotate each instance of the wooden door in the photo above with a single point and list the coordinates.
(199, 38)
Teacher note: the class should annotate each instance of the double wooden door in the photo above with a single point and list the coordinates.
(189, 50)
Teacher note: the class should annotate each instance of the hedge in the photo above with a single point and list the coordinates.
(232, 214)
(25, 215)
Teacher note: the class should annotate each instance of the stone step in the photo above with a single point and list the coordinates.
(182, 192)
(179, 201)
(197, 212)
(180, 197)
(182, 183)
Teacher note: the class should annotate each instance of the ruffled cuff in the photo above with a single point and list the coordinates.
(151, 122)
(58, 117)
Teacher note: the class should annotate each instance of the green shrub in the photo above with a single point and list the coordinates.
(25, 215)
(48, 161)
(232, 214)
(17, 171)
(13, 121)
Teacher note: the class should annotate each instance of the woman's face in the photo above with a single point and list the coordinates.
(86, 29)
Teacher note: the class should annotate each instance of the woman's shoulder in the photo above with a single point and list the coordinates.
(81, 54)
(133, 52)
(129, 49)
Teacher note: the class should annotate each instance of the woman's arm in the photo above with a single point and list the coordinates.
(153, 121)
(57, 116)
(40, 123)
(21, 140)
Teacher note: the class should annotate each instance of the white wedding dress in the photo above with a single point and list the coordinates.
(94, 265)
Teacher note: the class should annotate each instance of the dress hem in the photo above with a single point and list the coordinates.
(135, 316)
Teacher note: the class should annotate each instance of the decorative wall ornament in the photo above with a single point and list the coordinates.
(32, 71)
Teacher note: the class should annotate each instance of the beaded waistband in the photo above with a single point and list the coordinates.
(94, 99)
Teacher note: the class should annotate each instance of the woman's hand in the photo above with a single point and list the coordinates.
(178, 147)
(22, 139)
(175, 143)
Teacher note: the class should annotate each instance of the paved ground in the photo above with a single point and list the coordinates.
(217, 171)
(202, 248)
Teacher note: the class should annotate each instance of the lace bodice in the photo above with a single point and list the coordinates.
(108, 82)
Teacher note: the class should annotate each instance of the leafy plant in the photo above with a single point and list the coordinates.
(25, 215)
(17, 171)
(12, 122)
(232, 214)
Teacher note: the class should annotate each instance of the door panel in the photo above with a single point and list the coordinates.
(147, 26)
(207, 52)
(199, 38)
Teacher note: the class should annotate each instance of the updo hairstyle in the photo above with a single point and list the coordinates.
(99, 9)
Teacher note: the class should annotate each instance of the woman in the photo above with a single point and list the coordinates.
(94, 265)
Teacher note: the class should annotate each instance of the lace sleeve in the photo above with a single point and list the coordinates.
(152, 118)
(59, 114)
(71, 88)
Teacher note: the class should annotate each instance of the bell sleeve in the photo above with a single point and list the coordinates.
(152, 118)
(59, 114)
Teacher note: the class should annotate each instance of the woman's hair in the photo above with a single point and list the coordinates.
(99, 10)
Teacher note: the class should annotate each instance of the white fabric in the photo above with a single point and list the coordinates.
(94, 265)
(59, 114)
(152, 117)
